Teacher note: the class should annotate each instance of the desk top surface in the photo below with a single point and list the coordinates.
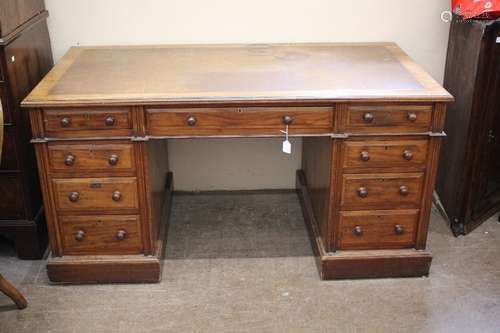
(134, 75)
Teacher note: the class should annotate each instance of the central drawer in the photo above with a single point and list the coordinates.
(95, 193)
(381, 191)
(235, 121)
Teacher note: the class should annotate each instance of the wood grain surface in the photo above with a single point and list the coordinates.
(225, 73)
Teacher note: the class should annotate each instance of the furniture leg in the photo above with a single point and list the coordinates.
(9, 290)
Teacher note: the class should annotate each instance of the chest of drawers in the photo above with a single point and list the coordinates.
(369, 153)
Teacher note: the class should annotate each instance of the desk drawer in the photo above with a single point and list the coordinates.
(96, 193)
(234, 121)
(364, 230)
(386, 153)
(113, 234)
(88, 122)
(381, 191)
(91, 156)
(388, 118)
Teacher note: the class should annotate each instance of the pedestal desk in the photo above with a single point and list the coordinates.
(370, 118)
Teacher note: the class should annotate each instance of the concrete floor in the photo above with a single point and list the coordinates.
(243, 263)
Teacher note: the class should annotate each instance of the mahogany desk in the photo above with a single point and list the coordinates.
(371, 119)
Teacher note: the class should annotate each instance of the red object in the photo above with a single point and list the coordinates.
(487, 9)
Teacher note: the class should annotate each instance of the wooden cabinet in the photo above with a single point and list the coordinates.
(15, 14)
(468, 183)
(25, 57)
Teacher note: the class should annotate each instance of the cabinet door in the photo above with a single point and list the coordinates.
(28, 58)
(11, 191)
(487, 197)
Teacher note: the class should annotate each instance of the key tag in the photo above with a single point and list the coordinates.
(287, 146)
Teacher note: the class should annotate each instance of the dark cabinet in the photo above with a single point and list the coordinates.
(468, 183)
(25, 57)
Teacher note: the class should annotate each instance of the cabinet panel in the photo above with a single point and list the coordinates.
(12, 195)
(9, 155)
(16, 12)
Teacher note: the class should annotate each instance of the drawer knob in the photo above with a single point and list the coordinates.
(79, 235)
(398, 229)
(412, 116)
(74, 196)
(403, 190)
(113, 160)
(407, 155)
(364, 156)
(368, 117)
(69, 160)
(191, 120)
(121, 234)
(287, 120)
(362, 192)
(358, 231)
(109, 121)
(116, 196)
(65, 122)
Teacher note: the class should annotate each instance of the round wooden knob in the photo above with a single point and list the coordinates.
(403, 190)
(79, 235)
(368, 117)
(69, 160)
(65, 122)
(116, 196)
(362, 192)
(364, 156)
(412, 116)
(113, 160)
(287, 120)
(358, 230)
(407, 155)
(109, 121)
(74, 196)
(398, 229)
(191, 120)
(121, 234)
